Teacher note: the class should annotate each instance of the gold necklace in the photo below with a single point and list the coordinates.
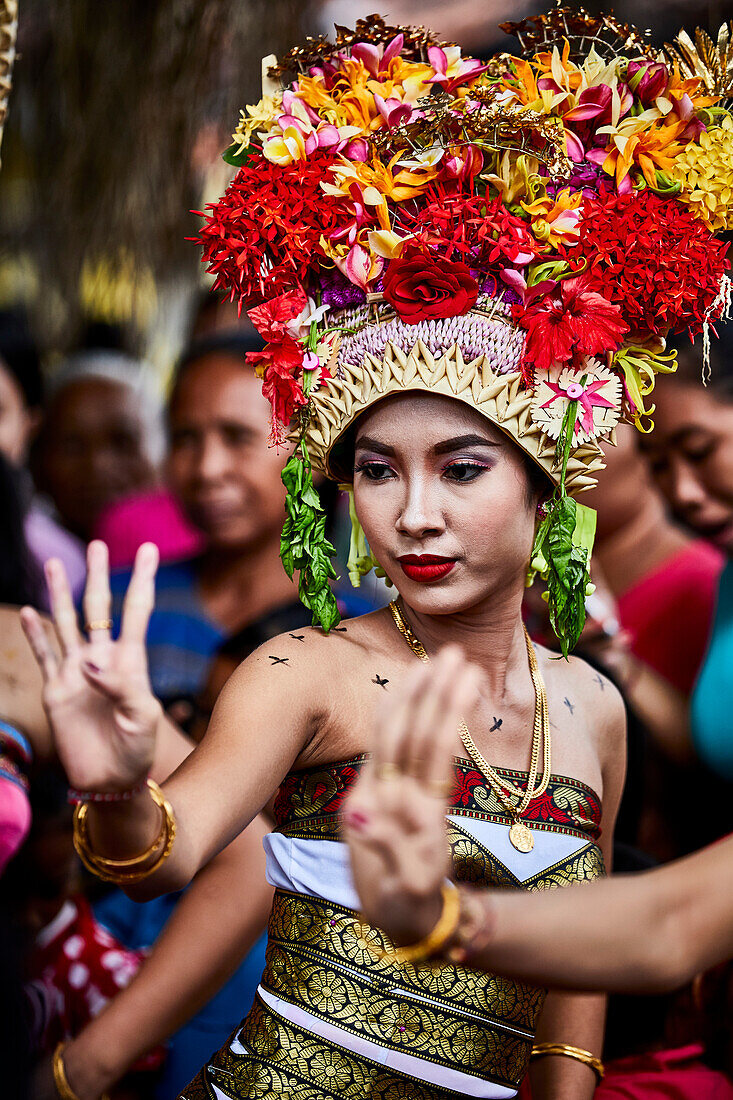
(519, 834)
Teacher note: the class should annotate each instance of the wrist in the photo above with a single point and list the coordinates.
(89, 1071)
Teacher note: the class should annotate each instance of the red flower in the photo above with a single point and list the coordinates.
(270, 319)
(263, 235)
(423, 289)
(654, 259)
(281, 365)
(468, 228)
(571, 320)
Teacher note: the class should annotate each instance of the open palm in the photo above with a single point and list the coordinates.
(97, 695)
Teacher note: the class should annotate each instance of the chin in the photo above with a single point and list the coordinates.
(441, 598)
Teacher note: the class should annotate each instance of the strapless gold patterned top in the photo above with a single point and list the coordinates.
(330, 1020)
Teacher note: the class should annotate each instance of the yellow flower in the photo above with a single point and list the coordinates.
(556, 221)
(516, 178)
(705, 170)
(262, 115)
(634, 143)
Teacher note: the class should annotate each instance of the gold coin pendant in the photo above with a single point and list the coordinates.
(521, 837)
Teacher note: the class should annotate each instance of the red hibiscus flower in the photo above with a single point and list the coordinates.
(423, 289)
(270, 319)
(571, 320)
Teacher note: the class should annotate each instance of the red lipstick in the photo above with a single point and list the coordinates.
(426, 567)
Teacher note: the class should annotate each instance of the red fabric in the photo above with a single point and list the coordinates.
(147, 517)
(76, 970)
(669, 613)
(667, 1075)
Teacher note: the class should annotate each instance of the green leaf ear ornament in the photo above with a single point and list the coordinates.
(562, 549)
(303, 543)
(361, 560)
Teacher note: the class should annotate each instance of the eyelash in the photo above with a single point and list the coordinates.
(477, 467)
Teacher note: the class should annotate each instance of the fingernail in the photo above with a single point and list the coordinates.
(355, 819)
(92, 667)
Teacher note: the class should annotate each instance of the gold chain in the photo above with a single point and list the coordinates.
(504, 789)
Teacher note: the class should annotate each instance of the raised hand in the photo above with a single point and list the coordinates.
(395, 816)
(97, 696)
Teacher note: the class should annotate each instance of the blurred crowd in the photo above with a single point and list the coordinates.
(91, 451)
(90, 448)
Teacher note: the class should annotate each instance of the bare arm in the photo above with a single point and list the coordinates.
(185, 968)
(576, 1018)
(106, 723)
(642, 933)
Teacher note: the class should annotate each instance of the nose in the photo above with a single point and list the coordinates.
(687, 492)
(213, 459)
(420, 514)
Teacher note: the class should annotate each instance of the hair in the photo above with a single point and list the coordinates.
(690, 363)
(233, 342)
(116, 366)
(19, 356)
(20, 577)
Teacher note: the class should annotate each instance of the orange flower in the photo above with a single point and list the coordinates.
(633, 146)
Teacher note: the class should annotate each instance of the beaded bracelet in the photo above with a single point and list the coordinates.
(75, 797)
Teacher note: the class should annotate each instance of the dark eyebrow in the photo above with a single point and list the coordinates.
(460, 441)
(366, 443)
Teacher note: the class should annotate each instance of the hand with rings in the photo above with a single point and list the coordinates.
(97, 695)
(394, 819)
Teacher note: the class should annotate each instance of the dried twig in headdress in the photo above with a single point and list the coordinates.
(315, 51)
(447, 121)
(609, 36)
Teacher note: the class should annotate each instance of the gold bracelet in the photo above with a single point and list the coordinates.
(60, 1080)
(473, 930)
(542, 1050)
(435, 940)
(124, 871)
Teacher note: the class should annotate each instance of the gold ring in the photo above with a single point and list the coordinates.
(388, 771)
(99, 624)
(440, 788)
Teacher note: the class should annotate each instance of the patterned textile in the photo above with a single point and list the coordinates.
(330, 1018)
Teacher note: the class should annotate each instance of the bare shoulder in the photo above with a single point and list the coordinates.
(306, 662)
(585, 690)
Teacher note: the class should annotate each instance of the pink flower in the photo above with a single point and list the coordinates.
(452, 70)
(356, 266)
(393, 110)
(648, 79)
(376, 59)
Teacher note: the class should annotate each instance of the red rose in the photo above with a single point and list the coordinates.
(423, 289)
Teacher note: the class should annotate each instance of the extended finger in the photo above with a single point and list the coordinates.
(62, 606)
(140, 595)
(460, 700)
(429, 710)
(392, 720)
(38, 640)
(97, 597)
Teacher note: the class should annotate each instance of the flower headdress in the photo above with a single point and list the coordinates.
(520, 235)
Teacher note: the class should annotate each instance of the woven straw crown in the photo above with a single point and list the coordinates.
(411, 366)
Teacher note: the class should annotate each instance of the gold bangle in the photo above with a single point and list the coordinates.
(543, 1050)
(60, 1080)
(435, 940)
(125, 871)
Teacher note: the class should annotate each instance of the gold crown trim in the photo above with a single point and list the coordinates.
(501, 398)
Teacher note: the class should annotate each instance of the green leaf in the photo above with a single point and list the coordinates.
(238, 156)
